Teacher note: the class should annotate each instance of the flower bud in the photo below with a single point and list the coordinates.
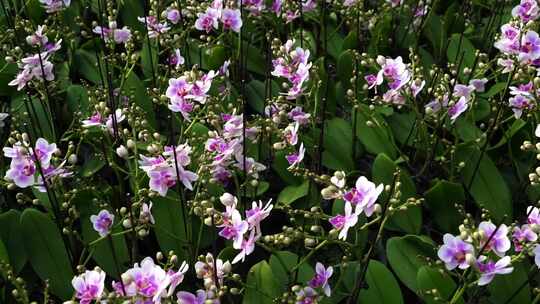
(122, 152)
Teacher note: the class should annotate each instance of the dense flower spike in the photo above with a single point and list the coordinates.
(289, 151)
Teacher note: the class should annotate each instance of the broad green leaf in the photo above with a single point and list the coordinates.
(410, 220)
(514, 128)
(382, 286)
(487, 187)
(149, 60)
(282, 262)
(216, 57)
(435, 33)
(77, 99)
(468, 131)
(429, 278)
(261, 285)
(350, 41)
(134, 87)
(337, 154)
(85, 64)
(11, 235)
(503, 287)
(46, 252)
(169, 229)
(92, 165)
(255, 95)
(403, 127)
(441, 200)
(39, 116)
(458, 46)
(376, 139)
(260, 189)
(291, 193)
(345, 67)
(4, 256)
(406, 256)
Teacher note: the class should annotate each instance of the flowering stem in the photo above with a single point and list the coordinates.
(365, 261)
(321, 245)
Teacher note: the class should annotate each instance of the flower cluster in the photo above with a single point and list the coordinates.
(168, 167)
(485, 248)
(234, 228)
(361, 198)
(149, 282)
(24, 171)
(104, 121)
(461, 96)
(37, 66)
(113, 33)
(230, 18)
(226, 149)
(153, 26)
(53, 6)
(182, 91)
(523, 98)
(399, 79)
(293, 65)
(319, 282)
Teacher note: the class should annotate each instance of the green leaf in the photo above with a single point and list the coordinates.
(345, 67)
(133, 86)
(85, 64)
(504, 286)
(291, 193)
(262, 286)
(40, 117)
(149, 60)
(406, 256)
(46, 252)
(459, 46)
(4, 256)
(441, 200)
(410, 220)
(516, 126)
(488, 187)
(435, 33)
(403, 127)
(77, 99)
(282, 262)
(429, 278)
(383, 287)
(376, 139)
(11, 235)
(337, 154)
(169, 228)
(255, 95)
(92, 165)
(216, 57)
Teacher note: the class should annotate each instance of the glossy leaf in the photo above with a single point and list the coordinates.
(409, 220)
(11, 235)
(488, 187)
(291, 193)
(383, 287)
(261, 285)
(407, 255)
(169, 228)
(46, 252)
(441, 200)
(376, 139)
